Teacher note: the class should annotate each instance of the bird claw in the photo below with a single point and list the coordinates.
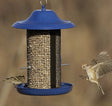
(87, 79)
(84, 77)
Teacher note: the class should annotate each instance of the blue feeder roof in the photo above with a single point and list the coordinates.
(43, 20)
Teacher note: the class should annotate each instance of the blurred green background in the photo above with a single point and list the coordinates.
(92, 34)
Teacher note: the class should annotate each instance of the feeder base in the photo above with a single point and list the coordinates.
(65, 88)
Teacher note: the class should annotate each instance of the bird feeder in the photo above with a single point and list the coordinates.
(44, 53)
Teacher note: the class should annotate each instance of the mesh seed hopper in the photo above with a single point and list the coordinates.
(44, 53)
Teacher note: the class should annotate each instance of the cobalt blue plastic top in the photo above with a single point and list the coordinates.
(43, 20)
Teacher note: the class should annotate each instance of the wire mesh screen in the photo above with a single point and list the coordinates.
(43, 56)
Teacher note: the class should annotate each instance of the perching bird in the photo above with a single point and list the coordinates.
(16, 79)
(98, 67)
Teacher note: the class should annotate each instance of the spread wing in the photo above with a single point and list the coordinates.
(102, 57)
(103, 68)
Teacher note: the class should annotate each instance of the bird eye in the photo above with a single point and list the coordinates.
(83, 66)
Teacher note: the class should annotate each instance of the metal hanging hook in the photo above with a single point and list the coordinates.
(43, 2)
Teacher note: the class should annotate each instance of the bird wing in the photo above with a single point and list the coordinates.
(16, 79)
(102, 57)
(20, 78)
(102, 68)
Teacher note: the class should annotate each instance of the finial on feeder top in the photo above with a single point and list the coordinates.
(43, 4)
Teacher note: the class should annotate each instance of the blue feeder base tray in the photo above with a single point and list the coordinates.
(65, 88)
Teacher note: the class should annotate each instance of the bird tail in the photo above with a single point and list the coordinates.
(100, 88)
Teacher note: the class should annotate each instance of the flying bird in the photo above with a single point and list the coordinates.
(97, 68)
